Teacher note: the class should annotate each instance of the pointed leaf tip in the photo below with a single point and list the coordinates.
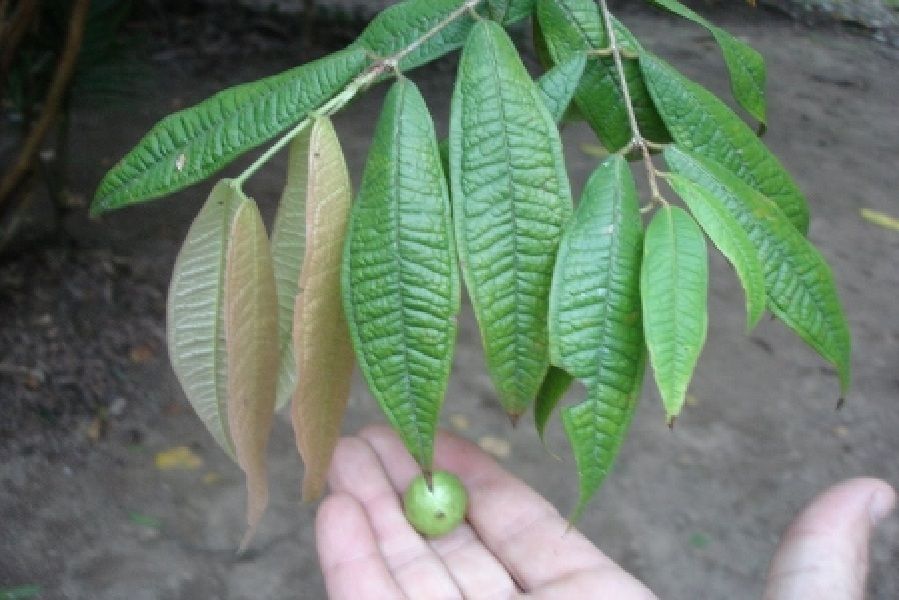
(400, 280)
(251, 335)
(674, 294)
(322, 349)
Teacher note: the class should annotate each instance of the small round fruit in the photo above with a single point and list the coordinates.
(435, 512)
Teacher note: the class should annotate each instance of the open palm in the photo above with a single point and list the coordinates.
(515, 543)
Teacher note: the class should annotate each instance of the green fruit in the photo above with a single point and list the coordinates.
(438, 510)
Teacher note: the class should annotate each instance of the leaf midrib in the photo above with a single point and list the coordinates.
(516, 290)
(395, 175)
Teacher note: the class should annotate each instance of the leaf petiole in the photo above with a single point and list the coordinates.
(358, 84)
(637, 139)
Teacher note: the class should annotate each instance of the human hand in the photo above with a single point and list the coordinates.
(515, 544)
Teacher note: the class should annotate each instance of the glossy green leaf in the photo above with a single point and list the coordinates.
(744, 64)
(251, 337)
(729, 237)
(799, 284)
(511, 197)
(700, 122)
(195, 318)
(509, 11)
(575, 27)
(595, 331)
(554, 386)
(400, 283)
(596, 428)
(190, 145)
(558, 85)
(403, 24)
(321, 341)
(674, 292)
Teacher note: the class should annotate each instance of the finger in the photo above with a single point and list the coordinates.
(517, 525)
(472, 566)
(824, 554)
(350, 560)
(356, 470)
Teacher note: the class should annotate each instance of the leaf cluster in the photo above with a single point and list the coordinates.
(560, 293)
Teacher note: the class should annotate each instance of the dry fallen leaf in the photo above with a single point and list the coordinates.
(460, 421)
(251, 340)
(141, 354)
(179, 458)
(321, 340)
(498, 447)
(211, 478)
(880, 219)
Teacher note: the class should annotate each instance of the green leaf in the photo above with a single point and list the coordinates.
(554, 386)
(595, 331)
(511, 197)
(729, 237)
(402, 25)
(509, 11)
(700, 122)
(558, 85)
(190, 145)
(251, 337)
(575, 27)
(400, 282)
(195, 317)
(596, 428)
(744, 64)
(674, 292)
(799, 284)
(320, 344)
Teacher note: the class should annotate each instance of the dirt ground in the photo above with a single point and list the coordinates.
(89, 398)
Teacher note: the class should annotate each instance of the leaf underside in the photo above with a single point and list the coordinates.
(511, 197)
(674, 294)
(323, 350)
(251, 335)
(195, 318)
(400, 280)
(288, 248)
(728, 236)
(799, 284)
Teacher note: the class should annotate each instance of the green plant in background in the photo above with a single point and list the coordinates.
(559, 294)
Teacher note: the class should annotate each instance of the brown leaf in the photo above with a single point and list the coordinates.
(179, 458)
(251, 339)
(321, 340)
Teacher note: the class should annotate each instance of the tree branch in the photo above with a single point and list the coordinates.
(65, 68)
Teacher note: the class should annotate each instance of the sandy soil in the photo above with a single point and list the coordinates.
(696, 513)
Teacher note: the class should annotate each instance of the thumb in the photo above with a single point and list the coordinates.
(824, 553)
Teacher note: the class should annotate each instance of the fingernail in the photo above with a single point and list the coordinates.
(881, 505)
